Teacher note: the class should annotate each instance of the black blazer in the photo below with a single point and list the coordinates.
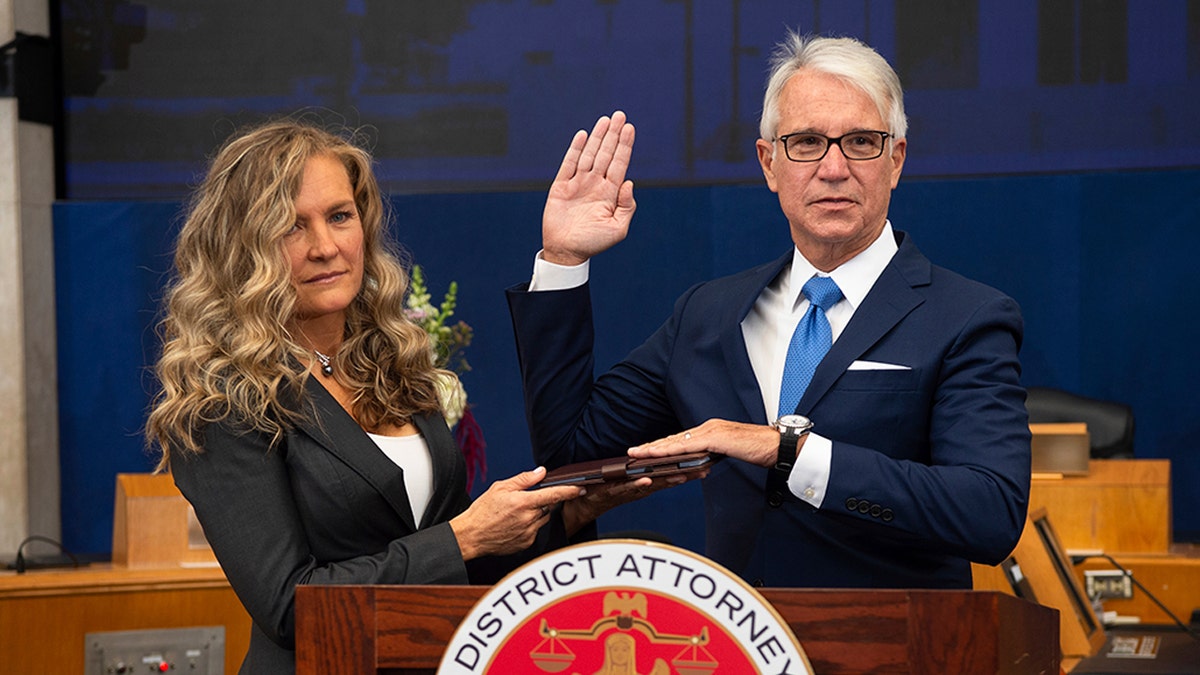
(324, 506)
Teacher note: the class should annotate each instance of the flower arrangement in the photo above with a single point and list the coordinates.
(449, 342)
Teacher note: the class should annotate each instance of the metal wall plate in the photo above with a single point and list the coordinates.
(197, 651)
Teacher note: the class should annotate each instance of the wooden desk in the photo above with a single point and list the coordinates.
(45, 614)
(1174, 579)
(1121, 506)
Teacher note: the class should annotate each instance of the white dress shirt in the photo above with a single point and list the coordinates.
(768, 329)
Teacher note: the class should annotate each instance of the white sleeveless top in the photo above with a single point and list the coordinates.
(411, 454)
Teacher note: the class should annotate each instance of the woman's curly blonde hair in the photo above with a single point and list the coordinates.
(227, 354)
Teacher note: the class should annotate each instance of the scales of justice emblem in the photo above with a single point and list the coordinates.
(619, 647)
(623, 607)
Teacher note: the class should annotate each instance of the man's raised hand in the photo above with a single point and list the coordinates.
(590, 203)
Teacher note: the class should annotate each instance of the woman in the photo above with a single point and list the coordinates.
(299, 407)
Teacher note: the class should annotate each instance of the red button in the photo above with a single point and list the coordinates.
(163, 666)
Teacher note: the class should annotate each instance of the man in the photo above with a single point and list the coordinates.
(917, 459)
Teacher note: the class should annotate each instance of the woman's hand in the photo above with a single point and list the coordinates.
(507, 517)
(604, 496)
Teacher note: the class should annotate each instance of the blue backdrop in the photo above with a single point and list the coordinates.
(1102, 265)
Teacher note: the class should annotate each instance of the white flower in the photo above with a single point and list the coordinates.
(447, 342)
(453, 398)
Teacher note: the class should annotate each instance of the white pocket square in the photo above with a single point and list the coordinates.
(876, 365)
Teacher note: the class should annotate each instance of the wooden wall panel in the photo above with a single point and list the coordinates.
(1121, 506)
(45, 614)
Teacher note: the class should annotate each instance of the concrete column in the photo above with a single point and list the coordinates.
(29, 475)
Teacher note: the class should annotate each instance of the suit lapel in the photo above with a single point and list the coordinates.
(745, 290)
(448, 485)
(354, 448)
(889, 301)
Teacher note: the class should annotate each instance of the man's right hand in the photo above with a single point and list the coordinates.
(590, 203)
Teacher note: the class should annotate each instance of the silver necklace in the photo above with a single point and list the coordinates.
(326, 365)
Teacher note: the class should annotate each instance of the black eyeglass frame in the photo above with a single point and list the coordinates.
(830, 142)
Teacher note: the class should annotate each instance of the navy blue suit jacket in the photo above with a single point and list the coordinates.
(930, 466)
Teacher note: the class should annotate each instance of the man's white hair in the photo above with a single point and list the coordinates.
(845, 58)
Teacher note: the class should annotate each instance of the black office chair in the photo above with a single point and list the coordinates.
(1110, 424)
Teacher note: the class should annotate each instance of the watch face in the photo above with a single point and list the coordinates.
(793, 422)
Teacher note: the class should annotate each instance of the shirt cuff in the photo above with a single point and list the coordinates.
(809, 479)
(548, 276)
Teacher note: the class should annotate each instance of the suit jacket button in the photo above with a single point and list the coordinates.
(852, 504)
(876, 510)
(774, 499)
(888, 515)
(864, 506)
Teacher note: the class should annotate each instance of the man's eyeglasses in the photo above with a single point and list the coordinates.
(810, 147)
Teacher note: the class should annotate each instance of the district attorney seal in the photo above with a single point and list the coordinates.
(623, 606)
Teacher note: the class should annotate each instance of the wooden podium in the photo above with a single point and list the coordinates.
(395, 630)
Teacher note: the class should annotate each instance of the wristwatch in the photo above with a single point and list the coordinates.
(791, 429)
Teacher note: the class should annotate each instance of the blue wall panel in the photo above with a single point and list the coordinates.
(1142, 316)
(109, 260)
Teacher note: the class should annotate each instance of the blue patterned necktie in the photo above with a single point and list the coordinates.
(810, 342)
